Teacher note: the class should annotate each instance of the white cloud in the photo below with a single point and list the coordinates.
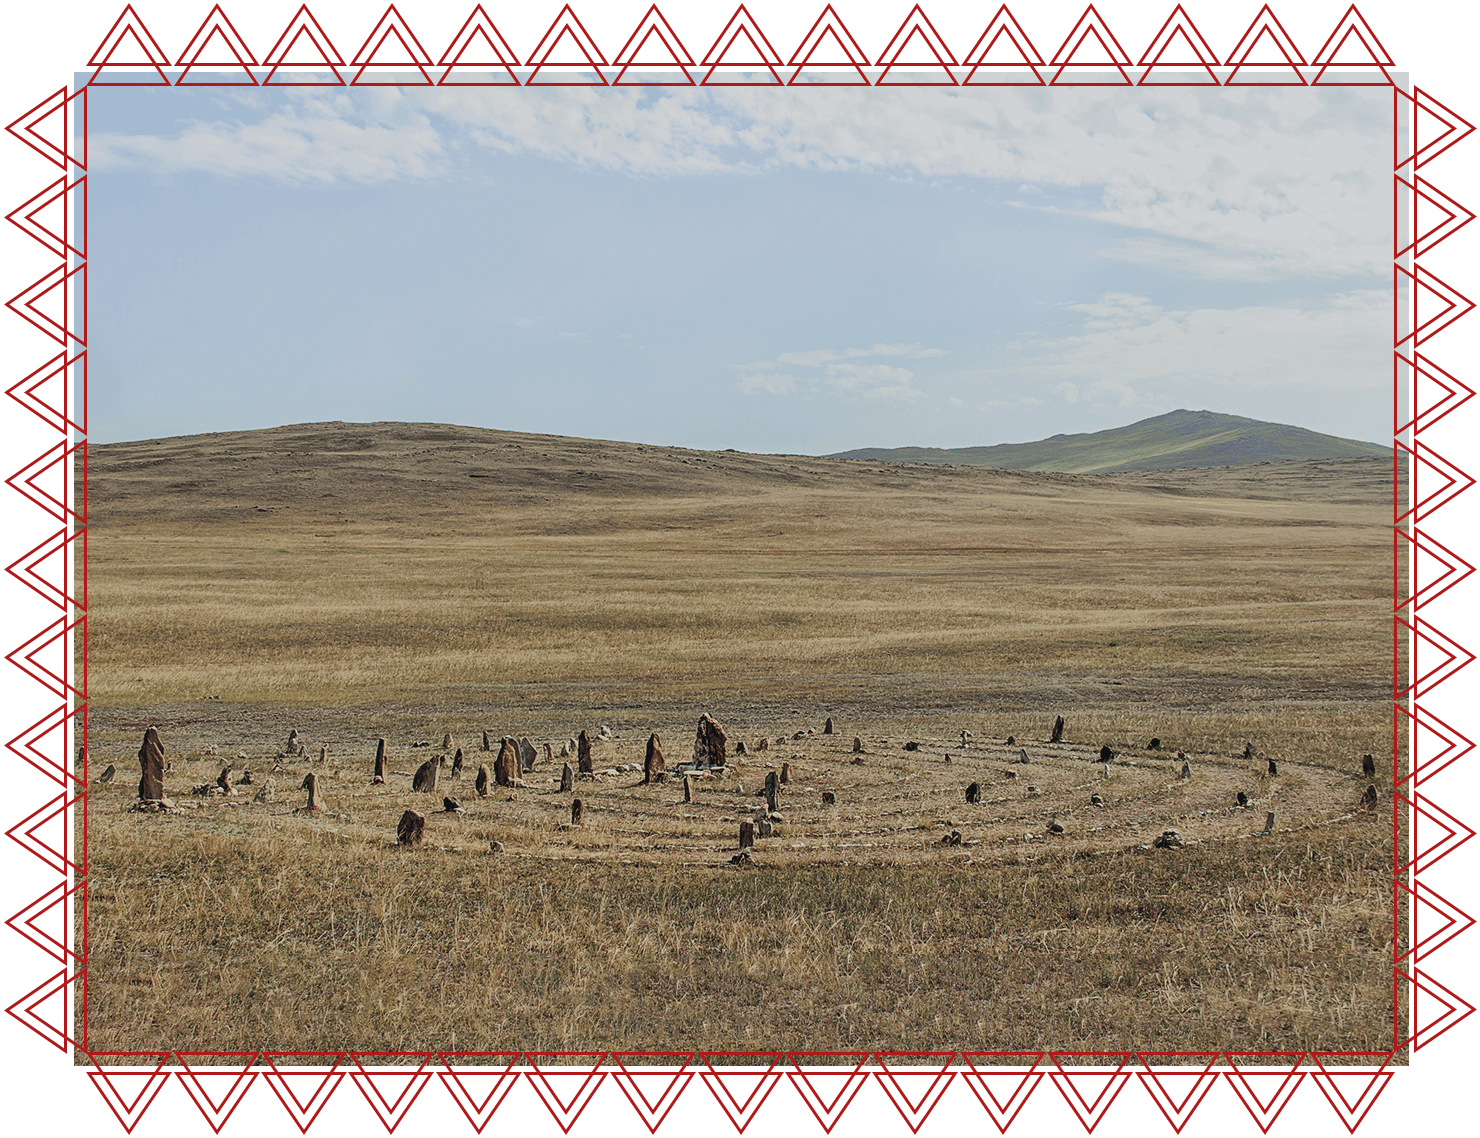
(776, 383)
(1227, 184)
(833, 372)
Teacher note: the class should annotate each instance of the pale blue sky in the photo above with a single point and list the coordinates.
(799, 271)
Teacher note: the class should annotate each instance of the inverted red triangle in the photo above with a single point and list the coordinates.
(723, 1085)
(664, 1088)
(49, 909)
(303, 1093)
(565, 1110)
(130, 1093)
(929, 1085)
(478, 1093)
(1264, 1109)
(1351, 1093)
(230, 1085)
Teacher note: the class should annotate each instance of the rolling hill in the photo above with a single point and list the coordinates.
(1166, 442)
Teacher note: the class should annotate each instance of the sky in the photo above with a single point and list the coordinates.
(800, 271)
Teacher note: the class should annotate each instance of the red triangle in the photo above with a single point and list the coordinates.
(139, 49)
(52, 641)
(830, 1111)
(1004, 68)
(1266, 34)
(303, 1110)
(1455, 834)
(51, 289)
(1002, 1111)
(24, 922)
(1427, 992)
(55, 149)
(567, 24)
(412, 54)
(652, 1111)
(828, 27)
(1453, 221)
(1353, 36)
(371, 1084)
(1194, 1082)
(499, 55)
(1428, 373)
(1190, 52)
(319, 50)
(652, 23)
(1456, 481)
(1455, 128)
(1444, 304)
(53, 234)
(53, 848)
(600, 80)
(45, 744)
(1427, 642)
(214, 41)
(479, 1112)
(216, 1108)
(1264, 1109)
(44, 1010)
(740, 1113)
(1428, 759)
(672, 62)
(1455, 920)
(566, 1112)
(1454, 569)
(129, 1093)
(25, 480)
(54, 583)
(916, 45)
(1091, 22)
(1073, 1085)
(917, 1108)
(747, 67)
(741, 23)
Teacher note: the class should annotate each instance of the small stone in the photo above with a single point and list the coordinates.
(764, 828)
(549, 753)
(485, 741)
(1106, 754)
(1010, 774)
(1186, 770)
(223, 781)
(1273, 769)
(912, 746)
(652, 762)
(410, 829)
(829, 798)
(858, 762)
(740, 747)
(1032, 790)
(1169, 840)
(857, 745)
(1269, 822)
(452, 806)
(1369, 767)
(1022, 755)
(827, 728)
(799, 735)
(1369, 798)
(1055, 827)
(1243, 799)
(974, 793)
(447, 741)
(1011, 742)
(741, 858)
(1248, 750)
(246, 778)
(1058, 730)
(763, 744)
(567, 779)
(107, 775)
(323, 754)
(577, 812)
(480, 784)
(1154, 745)
(495, 847)
(1096, 800)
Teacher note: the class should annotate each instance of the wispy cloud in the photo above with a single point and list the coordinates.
(830, 369)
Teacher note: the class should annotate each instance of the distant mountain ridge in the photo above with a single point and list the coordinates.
(1165, 442)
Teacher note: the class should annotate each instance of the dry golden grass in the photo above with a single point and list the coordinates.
(356, 582)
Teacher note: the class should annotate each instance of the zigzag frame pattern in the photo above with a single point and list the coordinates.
(129, 55)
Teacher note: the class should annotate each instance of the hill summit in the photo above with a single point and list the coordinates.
(1165, 442)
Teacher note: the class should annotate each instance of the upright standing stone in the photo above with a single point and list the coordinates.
(827, 728)
(585, 764)
(764, 744)
(1106, 754)
(773, 791)
(688, 789)
(1369, 798)
(380, 761)
(457, 764)
(652, 761)
(324, 754)
(410, 828)
(506, 766)
(1058, 730)
(268, 792)
(1273, 769)
(549, 753)
(485, 741)
(740, 747)
(747, 834)
(151, 766)
(1369, 768)
(1269, 822)
(223, 780)
(447, 741)
(785, 773)
(425, 779)
(577, 812)
(1248, 750)
(527, 754)
(107, 775)
(974, 793)
(857, 745)
(480, 784)
(1186, 770)
(293, 741)
(311, 784)
(709, 742)
(567, 779)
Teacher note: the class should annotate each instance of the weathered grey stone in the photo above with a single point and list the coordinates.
(268, 792)
(1269, 822)
(315, 801)
(549, 753)
(506, 766)
(410, 829)
(447, 741)
(527, 753)
(1055, 827)
(151, 767)
(857, 745)
(709, 742)
(107, 775)
(246, 779)
(425, 779)
(485, 741)
(652, 760)
(1169, 840)
(1186, 770)
(785, 773)
(567, 779)
(772, 790)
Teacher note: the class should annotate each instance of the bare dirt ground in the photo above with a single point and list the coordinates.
(401, 581)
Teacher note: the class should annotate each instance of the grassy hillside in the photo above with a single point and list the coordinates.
(1166, 442)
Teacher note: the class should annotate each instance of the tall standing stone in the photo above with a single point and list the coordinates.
(549, 753)
(584, 762)
(447, 741)
(773, 792)
(223, 780)
(827, 728)
(747, 834)
(1186, 770)
(457, 764)
(857, 745)
(785, 773)
(293, 741)
(764, 744)
(311, 784)
(486, 747)
(1273, 767)
(567, 779)
(1058, 730)
(425, 779)
(480, 784)
(527, 754)
(410, 829)
(380, 762)
(151, 766)
(974, 793)
(688, 789)
(1369, 767)
(577, 812)
(709, 742)
(506, 766)
(652, 761)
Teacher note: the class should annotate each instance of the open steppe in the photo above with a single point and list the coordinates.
(358, 581)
